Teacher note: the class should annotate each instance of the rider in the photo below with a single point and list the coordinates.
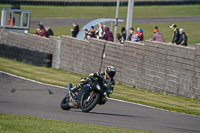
(108, 84)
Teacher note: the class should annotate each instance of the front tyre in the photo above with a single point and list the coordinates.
(65, 103)
(89, 100)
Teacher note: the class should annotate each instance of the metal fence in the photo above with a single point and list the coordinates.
(98, 3)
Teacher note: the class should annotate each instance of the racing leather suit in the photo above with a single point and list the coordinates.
(109, 83)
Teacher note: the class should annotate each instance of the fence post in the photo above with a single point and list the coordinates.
(57, 61)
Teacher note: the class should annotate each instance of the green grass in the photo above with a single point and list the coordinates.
(191, 29)
(109, 12)
(62, 78)
(24, 124)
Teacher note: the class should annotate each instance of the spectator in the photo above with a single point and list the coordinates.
(87, 35)
(10, 20)
(41, 26)
(140, 33)
(135, 37)
(183, 38)
(49, 32)
(42, 30)
(99, 31)
(75, 30)
(119, 37)
(38, 31)
(104, 26)
(123, 36)
(176, 34)
(108, 35)
(92, 32)
(131, 30)
(157, 36)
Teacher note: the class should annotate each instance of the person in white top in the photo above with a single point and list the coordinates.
(99, 31)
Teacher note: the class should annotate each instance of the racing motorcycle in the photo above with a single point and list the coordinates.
(87, 97)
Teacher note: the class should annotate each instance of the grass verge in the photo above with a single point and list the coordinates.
(62, 78)
(24, 124)
(191, 29)
(109, 11)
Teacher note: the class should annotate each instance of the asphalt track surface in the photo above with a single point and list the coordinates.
(27, 98)
(60, 22)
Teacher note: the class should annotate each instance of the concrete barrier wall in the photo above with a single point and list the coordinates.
(180, 70)
(150, 65)
(80, 56)
(113, 56)
(3, 38)
(196, 78)
(31, 42)
(133, 63)
(162, 67)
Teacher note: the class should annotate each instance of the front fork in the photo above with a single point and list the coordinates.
(91, 95)
(70, 95)
(88, 99)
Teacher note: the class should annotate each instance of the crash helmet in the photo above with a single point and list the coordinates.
(110, 70)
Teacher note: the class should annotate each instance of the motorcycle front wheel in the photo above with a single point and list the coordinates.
(89, 100)
(65, 103)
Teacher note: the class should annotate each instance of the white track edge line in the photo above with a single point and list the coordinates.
(118, 100)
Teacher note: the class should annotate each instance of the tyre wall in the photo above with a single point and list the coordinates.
(30, 42)
(26, 56)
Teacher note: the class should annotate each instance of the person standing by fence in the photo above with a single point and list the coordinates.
(183, 38)
(123, 37)
(140, 33)
(108, 35)
(157, 36)
(99, 31)
(176, 34)
(49, 32)
(75, 30)
(131, 30)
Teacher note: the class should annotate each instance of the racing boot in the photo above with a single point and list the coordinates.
(102, 101)
(73, 104)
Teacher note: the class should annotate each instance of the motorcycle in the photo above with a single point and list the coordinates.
(87, 97)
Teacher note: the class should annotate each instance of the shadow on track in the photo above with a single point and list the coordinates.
(110, 114)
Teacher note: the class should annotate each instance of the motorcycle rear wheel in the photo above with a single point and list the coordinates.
(87, 106)
(65, 104)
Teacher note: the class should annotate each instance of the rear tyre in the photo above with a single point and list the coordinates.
(87, 105)
(65, 104)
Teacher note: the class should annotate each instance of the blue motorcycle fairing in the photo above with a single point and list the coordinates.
(69, 87)
(84, 89)
(91, 86)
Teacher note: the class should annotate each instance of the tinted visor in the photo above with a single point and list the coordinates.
(111, 74)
